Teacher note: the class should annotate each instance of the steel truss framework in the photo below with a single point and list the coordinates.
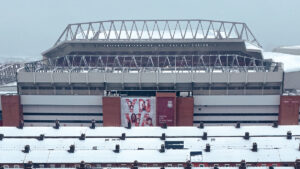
(144, 63)
(150, 30)
(8, 73)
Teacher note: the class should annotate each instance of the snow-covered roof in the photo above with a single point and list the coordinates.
(290, 62)
(151, 131)
(227, 144)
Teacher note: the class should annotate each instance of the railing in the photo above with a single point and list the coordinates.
(150, 63)
(8, 73)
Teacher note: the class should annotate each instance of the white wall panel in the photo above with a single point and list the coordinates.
(237, 100)
(61, 109)
(60, 100)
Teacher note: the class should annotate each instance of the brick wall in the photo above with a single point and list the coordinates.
(11, 110)
(289, 110)
(184, 111)
(111, 111)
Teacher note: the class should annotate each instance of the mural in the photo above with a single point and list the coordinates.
(139, 111)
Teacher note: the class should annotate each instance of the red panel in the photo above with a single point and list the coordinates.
(0, 122)
(12, 112)
(184, 111)
(111, 111)
(166, 109)
(289, 110)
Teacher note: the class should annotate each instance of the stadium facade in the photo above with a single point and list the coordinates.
(150, 73)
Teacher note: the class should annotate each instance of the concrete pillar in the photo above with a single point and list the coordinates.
(12, 112)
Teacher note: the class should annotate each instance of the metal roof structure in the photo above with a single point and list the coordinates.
(157, 30)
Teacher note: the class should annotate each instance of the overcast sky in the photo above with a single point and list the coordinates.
(29, 27)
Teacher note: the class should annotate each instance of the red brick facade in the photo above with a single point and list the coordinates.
(111, 111)
(289, 110)
(12, 112)
(184, 111)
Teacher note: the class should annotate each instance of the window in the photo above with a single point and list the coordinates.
(155, 165)
(201, 165)
(216, 165)
(52, 165)
(98, 165)
(108, 165)
(274, 165)
(88, 166)
(169, 165)
(237, 165)
(77, 166)
(227, 165)
(42, 166)
(62, 166)
(144, 165)
(263, 165)
(5, 166)
(248, 165)
(16, 166)
(180, 165)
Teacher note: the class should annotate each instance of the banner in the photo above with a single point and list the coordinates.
(139, 111)
(166, 109)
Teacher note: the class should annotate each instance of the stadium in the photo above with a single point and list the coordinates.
(150, 73)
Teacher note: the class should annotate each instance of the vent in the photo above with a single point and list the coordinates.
(41, 137)
(1, 136)
(163, 136)
(123, 136)
(82, 165)
(243, 165)
(201, 125)
(82, 136)
(57, 125)
(188, 165)
(21, 124)
(289, 135)
(254, 147)
(128, 125)
(275, 124)
(93, 125)
(207, 148)
(72, 148)
(26, 149)
(204, 136)
(162, 148)
(117, 148)
(164, 126)
(28, 165)
(238, 125)
(247, 136)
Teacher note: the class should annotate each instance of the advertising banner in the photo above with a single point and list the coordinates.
(166, 111)
(139, 111)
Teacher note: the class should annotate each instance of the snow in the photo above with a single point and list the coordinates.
(227, 144)
(150, 131)
(290, 62)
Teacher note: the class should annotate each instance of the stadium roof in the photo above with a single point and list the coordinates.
(151, 30)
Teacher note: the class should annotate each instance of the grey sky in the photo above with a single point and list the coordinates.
(29, 27)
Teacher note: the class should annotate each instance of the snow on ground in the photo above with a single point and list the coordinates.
(290, 62)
